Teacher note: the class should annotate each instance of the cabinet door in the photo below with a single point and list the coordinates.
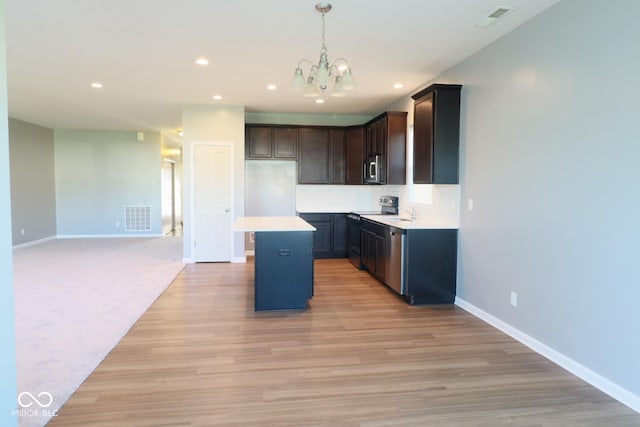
(337, 164)
(396, 148)
(423, 140)
(313, 164)
(436, 138)
(354, 153)
(323, 235)
(285, 143)
(322, 239)
(375, 135)
(380, 257)
(368, 250)
(259, 143)
(340, 236)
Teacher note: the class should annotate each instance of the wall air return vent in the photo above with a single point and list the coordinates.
(494, 16)
(137, 218)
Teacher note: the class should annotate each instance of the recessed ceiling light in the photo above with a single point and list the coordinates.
(398, 85)
(320, 101)
(96, 85)
(217, 97)
(202, 61)
(272, 87)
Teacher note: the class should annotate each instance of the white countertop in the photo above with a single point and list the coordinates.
(271, 223)
(403, 222)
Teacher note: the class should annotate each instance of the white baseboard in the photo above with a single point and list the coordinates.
(188, 260)
(33, 242)
(105, 236)
(239, 259)
(598, 381)
(249, 253)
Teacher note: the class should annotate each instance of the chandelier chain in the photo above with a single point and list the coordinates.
(324, 45)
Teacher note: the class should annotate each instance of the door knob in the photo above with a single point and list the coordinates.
(227, 210)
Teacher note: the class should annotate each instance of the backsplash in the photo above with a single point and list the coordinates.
(334, 198)
(437, 202)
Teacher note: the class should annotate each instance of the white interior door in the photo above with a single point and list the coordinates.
(212, 192)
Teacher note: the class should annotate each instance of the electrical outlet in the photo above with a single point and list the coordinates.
(117, 224)
(470, 204)
(22, 231)
(514, 299)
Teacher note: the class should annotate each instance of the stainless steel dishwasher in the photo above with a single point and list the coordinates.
(394, 273)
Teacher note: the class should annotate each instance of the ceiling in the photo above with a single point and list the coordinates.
(143, 52)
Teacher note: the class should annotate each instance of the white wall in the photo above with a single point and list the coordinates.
(550, 142)
(98, 173)
(33, 192)
(8, 386)
(213, 124)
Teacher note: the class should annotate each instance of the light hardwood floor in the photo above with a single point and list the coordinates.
(200, 356)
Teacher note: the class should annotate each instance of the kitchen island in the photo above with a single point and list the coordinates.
(283, 261)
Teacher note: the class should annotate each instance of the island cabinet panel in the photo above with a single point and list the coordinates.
(313, 164)
(436, 134)
(330, 238)
(283, 270)
(430, 266)
(354, 155)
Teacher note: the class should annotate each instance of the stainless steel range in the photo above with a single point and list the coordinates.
(388, 206)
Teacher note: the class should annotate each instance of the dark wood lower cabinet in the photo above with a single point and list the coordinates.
(330, 237)
(431, 266)
(429, 261)
(372, 248)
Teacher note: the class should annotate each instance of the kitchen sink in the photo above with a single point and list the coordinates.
(399, 219)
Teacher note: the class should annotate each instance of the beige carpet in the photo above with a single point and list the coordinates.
(74, 300)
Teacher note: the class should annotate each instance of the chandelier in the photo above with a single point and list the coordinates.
(321, 78)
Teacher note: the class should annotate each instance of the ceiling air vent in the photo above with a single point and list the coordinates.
(494, 16)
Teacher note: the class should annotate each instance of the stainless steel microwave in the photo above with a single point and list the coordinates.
(374, 170)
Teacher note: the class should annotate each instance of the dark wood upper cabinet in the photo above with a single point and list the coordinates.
(332, 154)
(259, 143)
(285, 143)
(337, 157)
(354, 155)
(436, 134)
(271, 142)
(386, 135)
(313, 163)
